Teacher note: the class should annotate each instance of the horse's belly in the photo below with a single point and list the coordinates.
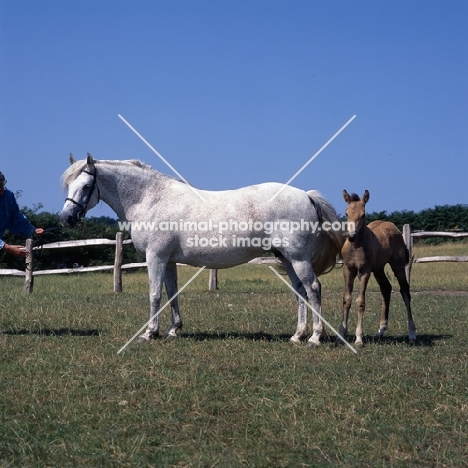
(217, 258)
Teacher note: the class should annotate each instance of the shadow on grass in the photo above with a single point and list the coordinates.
(389, 340)
(423, 340)
(52, 332)
(251, 336)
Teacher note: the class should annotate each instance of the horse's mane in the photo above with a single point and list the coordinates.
(355, 197)
(76, 168)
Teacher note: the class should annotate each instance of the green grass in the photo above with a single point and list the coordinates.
(231, 391)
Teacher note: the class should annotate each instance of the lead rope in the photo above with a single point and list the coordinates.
(40, 243)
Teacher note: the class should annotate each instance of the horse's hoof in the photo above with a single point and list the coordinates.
(412, 342)
(359, 344)
(339, 342)
(380, 334)
(313, 344)
(146, 339)
(295, 340)
(142, 339)
(169, 336)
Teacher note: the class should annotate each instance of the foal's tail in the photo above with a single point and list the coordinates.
(329, 240)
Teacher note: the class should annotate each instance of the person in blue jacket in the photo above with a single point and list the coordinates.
(12, 219)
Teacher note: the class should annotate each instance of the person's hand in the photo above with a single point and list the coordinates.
(16, 250)
(39, 231)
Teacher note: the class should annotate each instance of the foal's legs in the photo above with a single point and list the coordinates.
(405, 294)
(302, 329)
(361, 306)
(170, 281)
(386, 290)
(348, 277)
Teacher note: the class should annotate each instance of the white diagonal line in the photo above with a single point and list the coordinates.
(313, 157)
(311, 308)
(161, 309)
(160, 156)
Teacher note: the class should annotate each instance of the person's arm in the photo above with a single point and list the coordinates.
(19, 224)
(15, 250)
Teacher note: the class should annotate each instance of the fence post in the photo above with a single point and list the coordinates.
(213, 281)
(29, 278)
(409, 245)
(118, 262)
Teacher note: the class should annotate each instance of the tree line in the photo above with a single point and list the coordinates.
(440, 218)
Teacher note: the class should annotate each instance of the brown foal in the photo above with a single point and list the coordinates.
(367, 250)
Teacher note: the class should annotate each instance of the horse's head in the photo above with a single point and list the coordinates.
(83, 191)
(355, 212)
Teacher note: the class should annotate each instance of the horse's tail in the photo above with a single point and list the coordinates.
(329, 240)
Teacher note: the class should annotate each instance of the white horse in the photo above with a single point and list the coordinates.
(220, 229)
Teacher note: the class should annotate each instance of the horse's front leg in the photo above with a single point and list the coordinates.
(302, 329)
(156, 271)
(361, 306)
(170, 281)
(348, 276)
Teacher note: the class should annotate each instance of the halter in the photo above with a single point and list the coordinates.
(84, 206)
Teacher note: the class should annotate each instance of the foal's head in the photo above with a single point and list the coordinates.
(355, 212)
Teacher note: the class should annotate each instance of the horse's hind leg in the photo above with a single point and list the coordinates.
(302, 329)
(386, 290)
(170, 281)
(309, 280)
(405, 294)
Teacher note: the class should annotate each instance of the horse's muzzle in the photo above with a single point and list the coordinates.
(351, 236)
(69, 220)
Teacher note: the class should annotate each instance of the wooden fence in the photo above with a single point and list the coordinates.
(117, 268)
(408, 236)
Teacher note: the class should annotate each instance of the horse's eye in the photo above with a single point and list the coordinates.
(87, 186)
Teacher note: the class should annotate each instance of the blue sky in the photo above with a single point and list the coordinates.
(235, 92)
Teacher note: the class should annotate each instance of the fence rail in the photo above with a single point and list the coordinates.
(408, 236)
(117, 268)
(442, 258)
(426, 234)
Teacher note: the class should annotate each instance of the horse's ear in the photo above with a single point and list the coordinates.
(346, 196)
(366, 197)
(90, 160)
(71, 159)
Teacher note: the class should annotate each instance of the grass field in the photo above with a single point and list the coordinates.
(232, 391)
